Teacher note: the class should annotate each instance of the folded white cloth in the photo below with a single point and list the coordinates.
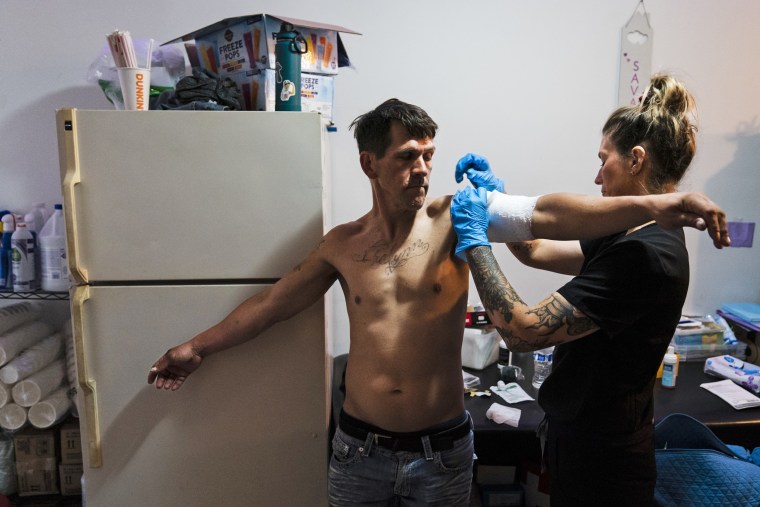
(504, 415)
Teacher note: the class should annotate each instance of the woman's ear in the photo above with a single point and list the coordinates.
(638, 154)
(367, 161)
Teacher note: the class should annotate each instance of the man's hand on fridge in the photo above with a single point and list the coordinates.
(171, 369)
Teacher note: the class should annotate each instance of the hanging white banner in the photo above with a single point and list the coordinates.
(636, 57)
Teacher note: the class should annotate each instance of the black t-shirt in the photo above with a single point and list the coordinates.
(633, 287)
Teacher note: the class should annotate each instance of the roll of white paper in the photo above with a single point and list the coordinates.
(33, 359)
(12, 416)
(51, 410)
(36, 387)
(20, 338)
(18, 313)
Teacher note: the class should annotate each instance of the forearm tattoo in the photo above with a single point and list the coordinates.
(498, 296)
(496, 293)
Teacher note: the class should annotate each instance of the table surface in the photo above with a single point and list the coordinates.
(740, 427)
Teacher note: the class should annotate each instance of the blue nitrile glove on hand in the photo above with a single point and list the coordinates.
(469, 216)
(478, 172)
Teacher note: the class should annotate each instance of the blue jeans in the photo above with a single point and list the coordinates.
(363, 473)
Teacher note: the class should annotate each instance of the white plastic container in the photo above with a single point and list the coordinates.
(52, 239)
(22, 259)
(50, 410)
(36, 387)
(19, 313)
(12, 417)
(669, 368)
(42, 209)
(31, 360)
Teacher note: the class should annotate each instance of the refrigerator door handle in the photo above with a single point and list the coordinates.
(68, 155)
(80, 295)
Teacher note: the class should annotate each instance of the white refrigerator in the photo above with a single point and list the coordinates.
(172, 219)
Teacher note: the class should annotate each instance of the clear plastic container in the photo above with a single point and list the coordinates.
(542, 365)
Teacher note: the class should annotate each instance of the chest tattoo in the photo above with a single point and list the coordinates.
(379, 254)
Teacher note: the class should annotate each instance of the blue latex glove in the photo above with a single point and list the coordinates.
(478, 172)
(469, 216)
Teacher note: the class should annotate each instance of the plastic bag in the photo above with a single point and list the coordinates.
(168, 66)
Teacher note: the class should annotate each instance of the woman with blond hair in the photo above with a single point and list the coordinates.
(613, 321)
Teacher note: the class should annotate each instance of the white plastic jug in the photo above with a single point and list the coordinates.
(52, 242)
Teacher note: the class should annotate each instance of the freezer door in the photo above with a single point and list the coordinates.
(247, 428)
(189, 195)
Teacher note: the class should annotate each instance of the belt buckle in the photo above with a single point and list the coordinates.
(378, 437)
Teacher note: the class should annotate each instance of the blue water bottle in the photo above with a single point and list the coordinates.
(288, 49)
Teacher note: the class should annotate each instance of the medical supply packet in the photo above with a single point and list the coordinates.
(742, 373)
(732, 394)
(510, 392)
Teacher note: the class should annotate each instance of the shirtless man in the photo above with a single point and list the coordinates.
(403, 433)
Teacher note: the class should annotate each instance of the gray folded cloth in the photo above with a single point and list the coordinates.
(202, 91)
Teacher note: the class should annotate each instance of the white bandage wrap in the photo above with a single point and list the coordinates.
(509, 217)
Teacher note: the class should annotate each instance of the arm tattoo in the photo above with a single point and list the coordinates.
(496, 292)
(500, 298)
(556, 313)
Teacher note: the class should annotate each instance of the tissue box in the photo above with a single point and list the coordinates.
(480, 347)
(745, 374)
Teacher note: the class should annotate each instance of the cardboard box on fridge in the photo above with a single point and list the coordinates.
(258, 91)
(246, 43)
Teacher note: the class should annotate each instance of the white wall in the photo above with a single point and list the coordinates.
(528, 84)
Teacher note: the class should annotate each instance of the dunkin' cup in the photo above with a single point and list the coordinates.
(135, 88)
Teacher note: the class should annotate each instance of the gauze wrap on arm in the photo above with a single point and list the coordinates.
(509, 217)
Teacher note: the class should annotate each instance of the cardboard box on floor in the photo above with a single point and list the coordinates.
(246, 43)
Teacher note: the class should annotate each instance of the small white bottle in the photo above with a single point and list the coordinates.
(52, 240)
(669, 368)
(22, 259)
(43, 210)
(542, 365)
(37, 222)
